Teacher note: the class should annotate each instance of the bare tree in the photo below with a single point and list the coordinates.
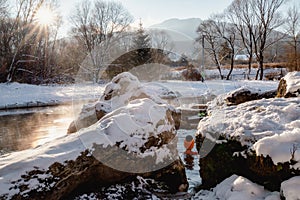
(161, 40)
(207, 31)
(267, 19)
(240, 14)
(99, 24)
(293, 30)
(228, 33)
(28, 39)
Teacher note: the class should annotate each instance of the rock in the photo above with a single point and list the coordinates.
(290, 188)
(138, 139)
(122, 89)
(192, 74)
(256, 139)
(289, 85)
(231, 158)
(90, 114)
(246, 94)
(237, 187)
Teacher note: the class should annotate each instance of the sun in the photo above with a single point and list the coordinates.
(45, 16)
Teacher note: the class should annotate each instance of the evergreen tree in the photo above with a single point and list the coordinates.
(141, 39)
(141, 46)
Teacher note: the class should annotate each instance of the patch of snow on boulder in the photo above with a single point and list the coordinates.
(238, 187)
(123, 88)
(293, 82)
(281, 147)
(290, 188)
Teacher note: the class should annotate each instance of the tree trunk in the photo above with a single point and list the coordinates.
(218, 65)
(231, 66)
(261, 66)
(249, 66)
(257, 73)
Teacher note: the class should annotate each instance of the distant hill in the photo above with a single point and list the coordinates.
(182, 33)
(185, 27)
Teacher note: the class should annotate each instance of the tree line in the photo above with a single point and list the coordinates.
(32, 52)
(252, 27)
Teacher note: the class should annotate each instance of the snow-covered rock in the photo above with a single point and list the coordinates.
(241, 95)
(269, 126)
(290, 188)
(258, 139)
(289, 85)
(137, 138)
(122, 89)
(254, 120)
(237, 187)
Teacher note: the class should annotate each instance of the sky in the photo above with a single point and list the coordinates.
(156, 11)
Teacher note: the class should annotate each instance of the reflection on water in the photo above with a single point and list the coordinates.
(22, 130)
(191, 162)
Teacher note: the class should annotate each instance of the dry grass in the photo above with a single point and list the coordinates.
(255, 65)
(242, 66)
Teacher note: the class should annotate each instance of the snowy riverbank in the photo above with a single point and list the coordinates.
(16, 95)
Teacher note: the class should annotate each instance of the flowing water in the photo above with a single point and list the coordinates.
(24, 129)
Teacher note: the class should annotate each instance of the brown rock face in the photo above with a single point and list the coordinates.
(220, 164)
(87, 174)
(282, 90)
(192, 74)
(245, 95)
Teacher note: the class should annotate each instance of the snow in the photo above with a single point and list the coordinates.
(280, 147)
(13, 165)
(236, 188)
(123, 88)
(269, 126)
(14, 95)
(128, 125)
(290, 188)
(268, 121)
(292, 81)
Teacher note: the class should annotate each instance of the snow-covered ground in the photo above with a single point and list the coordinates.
(17, 95)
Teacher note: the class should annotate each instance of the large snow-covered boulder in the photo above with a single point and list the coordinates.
(138, 139)
(122, 89)
(289, 85)
(258, 139)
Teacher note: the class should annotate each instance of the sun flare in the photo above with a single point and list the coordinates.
(45, 16)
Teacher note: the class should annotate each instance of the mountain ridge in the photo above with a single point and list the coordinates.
(187, 27)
